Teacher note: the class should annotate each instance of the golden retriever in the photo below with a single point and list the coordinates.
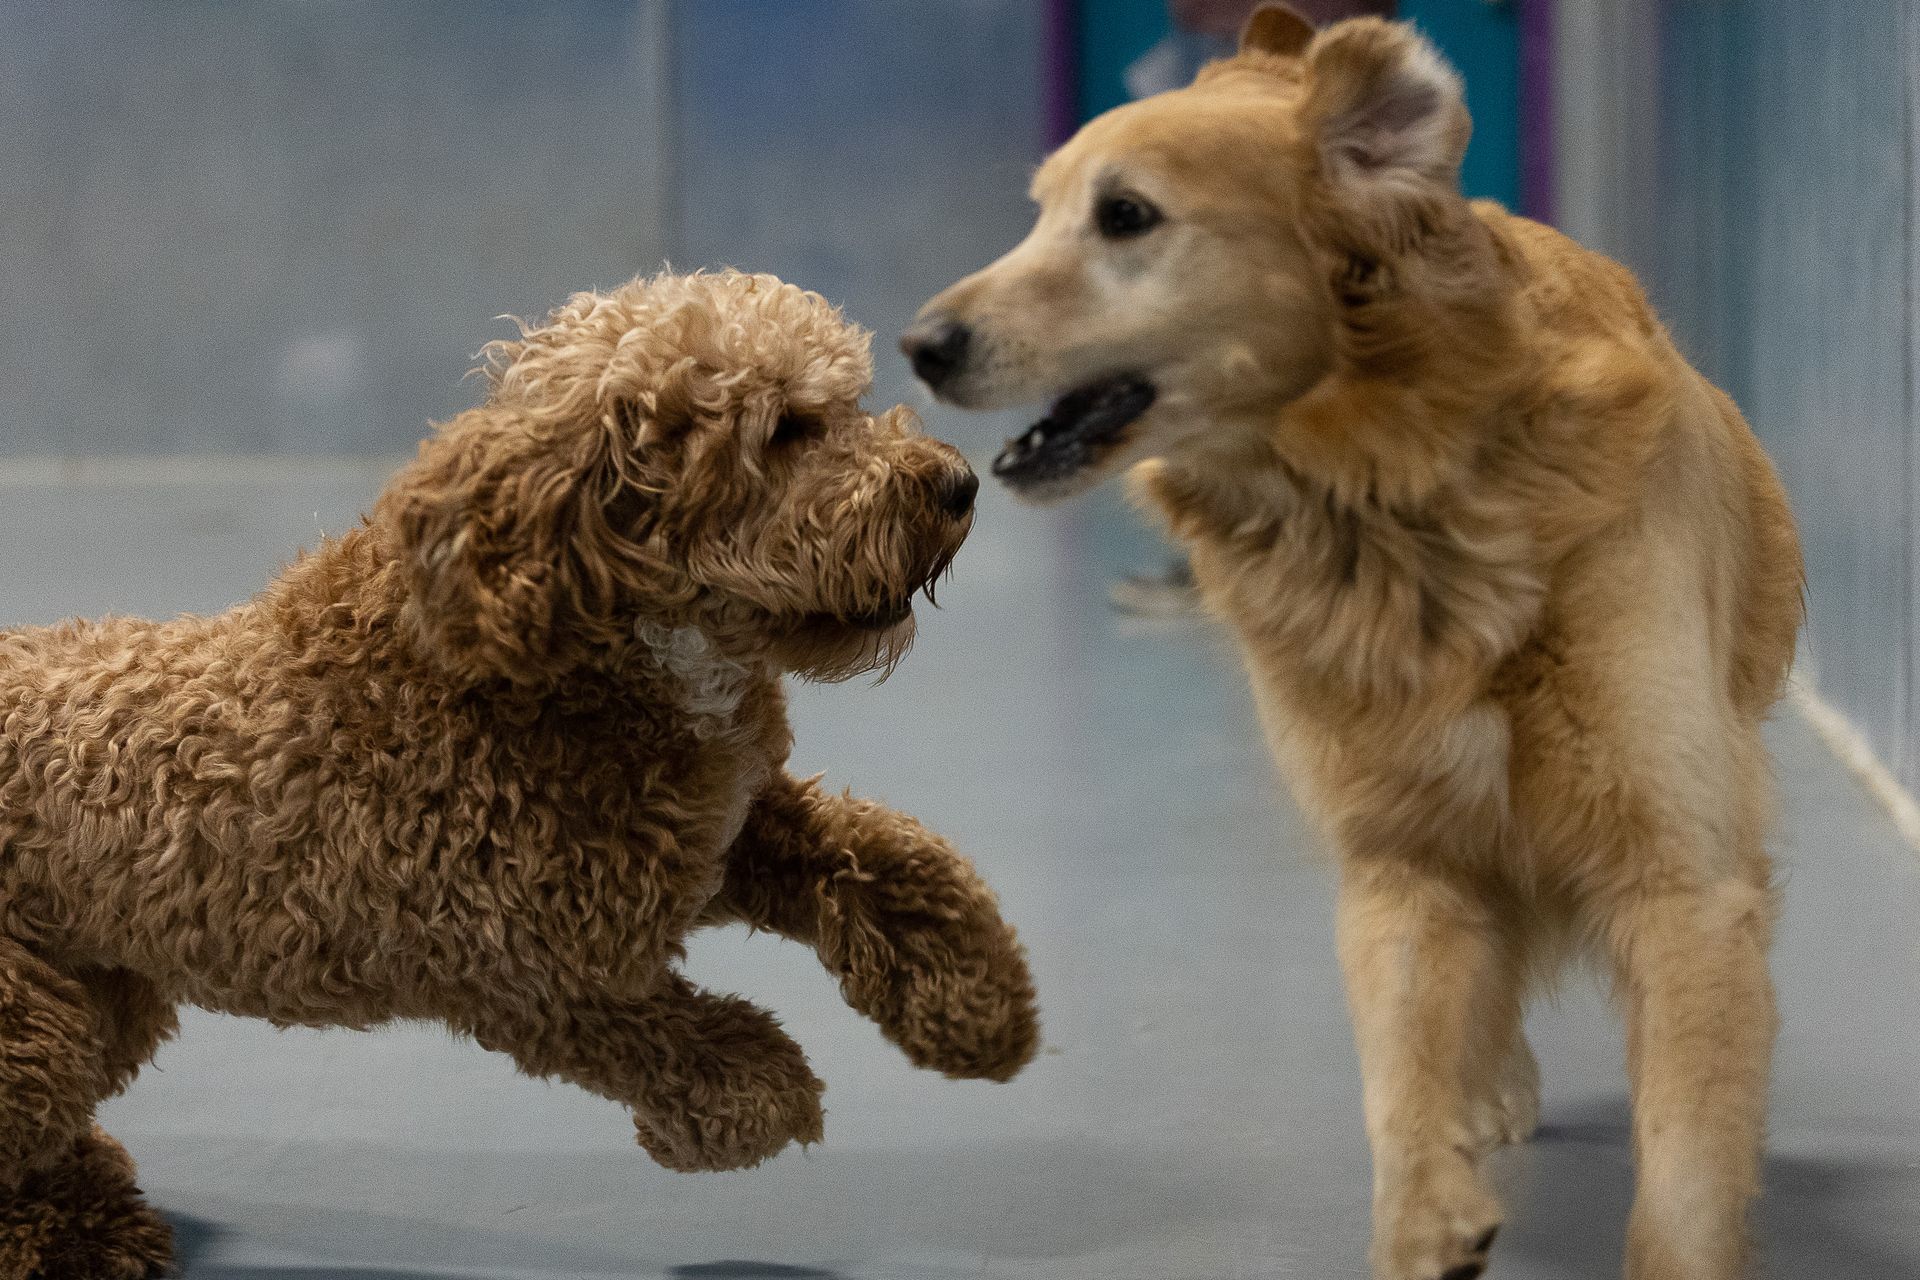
(1514, 583)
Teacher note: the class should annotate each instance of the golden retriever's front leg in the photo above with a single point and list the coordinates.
(905, 923)
(1503, 1080)
(1700, 1026)
(1428, 981)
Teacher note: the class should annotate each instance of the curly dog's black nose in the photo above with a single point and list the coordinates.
(936, 349)
(957, 493)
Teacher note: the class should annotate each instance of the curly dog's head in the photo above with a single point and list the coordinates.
(687, 450)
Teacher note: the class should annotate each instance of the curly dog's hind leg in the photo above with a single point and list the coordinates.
(68, 1204)
(133, 1020)
(81, 1217)
(51, 1069)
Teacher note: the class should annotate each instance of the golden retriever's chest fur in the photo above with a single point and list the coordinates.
(1370, 634)
(1544, 556)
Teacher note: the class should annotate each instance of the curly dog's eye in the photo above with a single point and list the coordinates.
(1122, 217)
(792, 429)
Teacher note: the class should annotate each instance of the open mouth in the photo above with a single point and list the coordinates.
(1081, 428)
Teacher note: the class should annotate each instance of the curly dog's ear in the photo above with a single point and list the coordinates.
(519, 534)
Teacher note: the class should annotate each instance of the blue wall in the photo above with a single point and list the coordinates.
(285, 228)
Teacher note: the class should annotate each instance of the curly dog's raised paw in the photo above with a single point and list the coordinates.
(953, 993)
(735, 1127)
(83, 1219)
(732, 1090)
(972, 1026)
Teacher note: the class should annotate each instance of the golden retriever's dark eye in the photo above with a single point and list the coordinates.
(1122, 217)
(792, 429)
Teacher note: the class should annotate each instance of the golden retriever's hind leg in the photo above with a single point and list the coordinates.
(1700, 1027)
(1424, 971)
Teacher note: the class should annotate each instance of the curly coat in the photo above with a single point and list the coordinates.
(489, 757)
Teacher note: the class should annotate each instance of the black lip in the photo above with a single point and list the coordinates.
(1082, 425)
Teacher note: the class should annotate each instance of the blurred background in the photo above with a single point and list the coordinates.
(282, 228)
(248, 249)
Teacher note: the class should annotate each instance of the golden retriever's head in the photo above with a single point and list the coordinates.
(1199, 255)
(687, 451)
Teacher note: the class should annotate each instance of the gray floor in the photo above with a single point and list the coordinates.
(1195, 1114)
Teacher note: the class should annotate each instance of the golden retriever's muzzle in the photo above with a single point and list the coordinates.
(1082, 427)
(1060, 453)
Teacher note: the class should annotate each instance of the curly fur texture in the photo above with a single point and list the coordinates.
(489, 757)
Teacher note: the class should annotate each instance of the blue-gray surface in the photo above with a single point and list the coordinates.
(248, 228)
(1195, 1115)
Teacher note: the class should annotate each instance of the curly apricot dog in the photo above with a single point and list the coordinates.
(489, 757)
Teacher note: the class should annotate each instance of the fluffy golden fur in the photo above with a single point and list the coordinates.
(489, 757)
(1514, 584)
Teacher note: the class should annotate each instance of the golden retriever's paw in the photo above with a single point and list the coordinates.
(1438, 1227)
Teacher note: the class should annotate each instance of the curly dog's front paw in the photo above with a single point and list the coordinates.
(976, 1023)
(733, 1131)
(950, 987)
(733, 1093)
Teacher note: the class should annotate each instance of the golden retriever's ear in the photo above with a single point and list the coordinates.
(1384, 109)
(1276, 28)
(504, 530)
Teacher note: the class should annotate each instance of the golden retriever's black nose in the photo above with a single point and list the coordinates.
(936, 349)
(957, 493)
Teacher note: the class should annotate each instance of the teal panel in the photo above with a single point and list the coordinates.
(1113, 34)
(1483, 41)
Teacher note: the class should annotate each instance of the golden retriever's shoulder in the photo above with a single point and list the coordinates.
(1568, 286)
(1629, 427)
